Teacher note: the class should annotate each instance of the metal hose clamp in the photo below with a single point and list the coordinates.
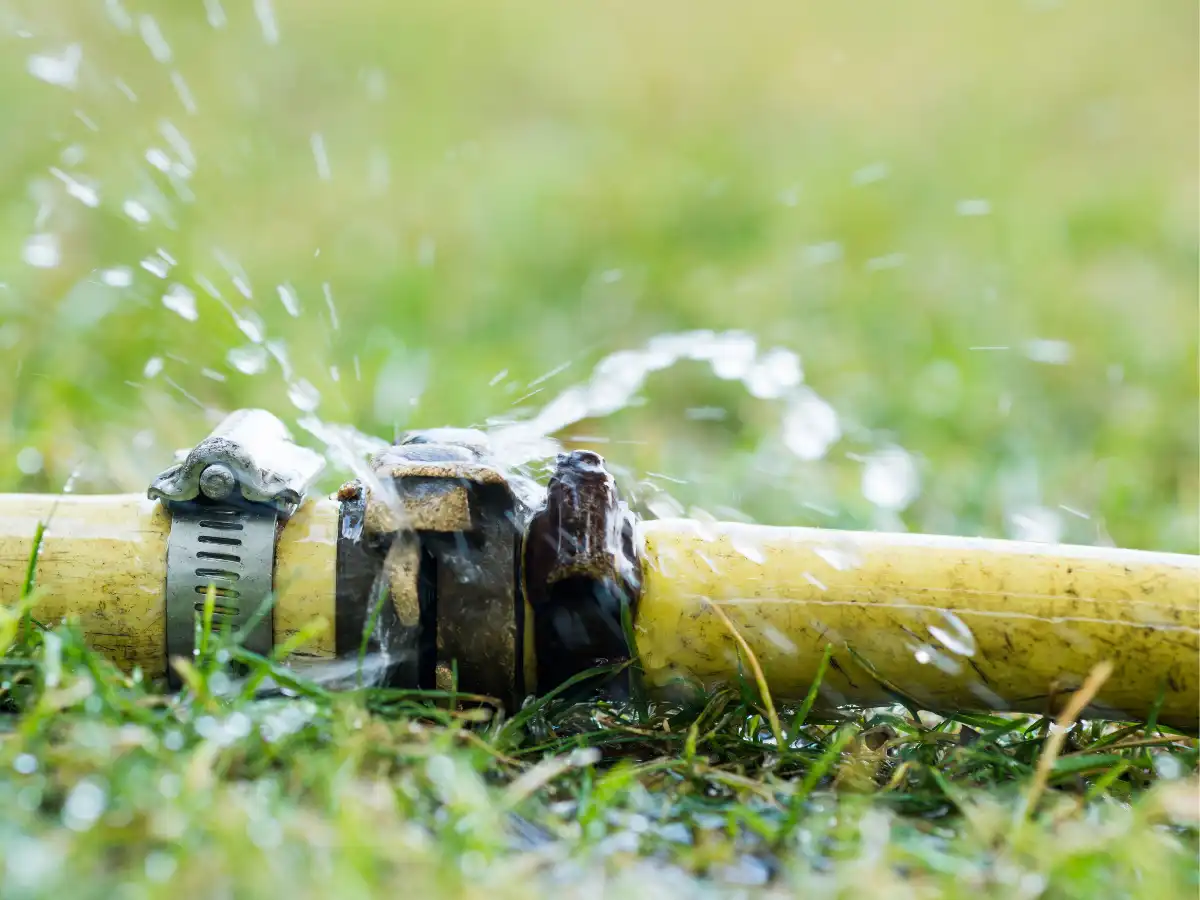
(226, 499)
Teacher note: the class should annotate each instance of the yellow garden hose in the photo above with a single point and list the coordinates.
(953, 623)
(431, 563)
(103, 562)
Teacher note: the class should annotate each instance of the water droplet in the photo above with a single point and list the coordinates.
(352, 526)
(745, 870)
(289, 299)
(957, 638)
(125, 89)
(136, 211)
(773, 375)
(84, 805)
(178, 142)
(973, 207)
(153, 37)
(118, 16)
(85, 194)
(61, 69)
(663, 506)
(29, 461)
(317, 140)
(426, 252)
(810, 425)
(822, 254)
(215, 13)
(890, 479)
(159, 159)
(376, 84)
(266, 20)
(159, 866)
(1050, 352)
(1167, 767)
(25, 764)
(779, 639)
(304, 396)
(87, 121)
(841, 558)
(876, 171)
(42, 251)
(181, 300)
(209, 288)
(249, 360)
(154, 365)
(238, 725)
(815, 581)
(747, 548)
(184, 93)
(731, 355)
(1036, 524)
(546, 376)
(329, 305)
(279, 350)
(250, 325)
(887, 261)
(156, 265)
(72, 155)
(30, 862)
(379, 169)
(790, 196)
(287, 720)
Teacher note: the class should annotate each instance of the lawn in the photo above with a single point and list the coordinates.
(975, 226)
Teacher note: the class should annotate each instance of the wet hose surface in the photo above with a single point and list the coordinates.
(952, 623)
(103, 562)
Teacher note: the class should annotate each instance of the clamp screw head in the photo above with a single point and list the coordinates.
(217, 482)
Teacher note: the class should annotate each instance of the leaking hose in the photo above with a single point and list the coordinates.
(434, 563)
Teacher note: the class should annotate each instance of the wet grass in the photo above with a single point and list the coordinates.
(977, 225)
(111, 789)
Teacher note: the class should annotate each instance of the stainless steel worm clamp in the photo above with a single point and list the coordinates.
(227, 499)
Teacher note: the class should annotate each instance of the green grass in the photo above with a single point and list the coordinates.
(113, 790)
(565, 181)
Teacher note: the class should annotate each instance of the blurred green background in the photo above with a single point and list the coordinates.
(882, 188)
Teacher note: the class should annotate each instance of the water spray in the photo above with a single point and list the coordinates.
(438, 563)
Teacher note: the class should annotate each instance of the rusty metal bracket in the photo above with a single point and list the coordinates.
(453, 563)
(582, 573)
(447, 523)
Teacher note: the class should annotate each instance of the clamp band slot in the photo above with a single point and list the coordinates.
(241, 584)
